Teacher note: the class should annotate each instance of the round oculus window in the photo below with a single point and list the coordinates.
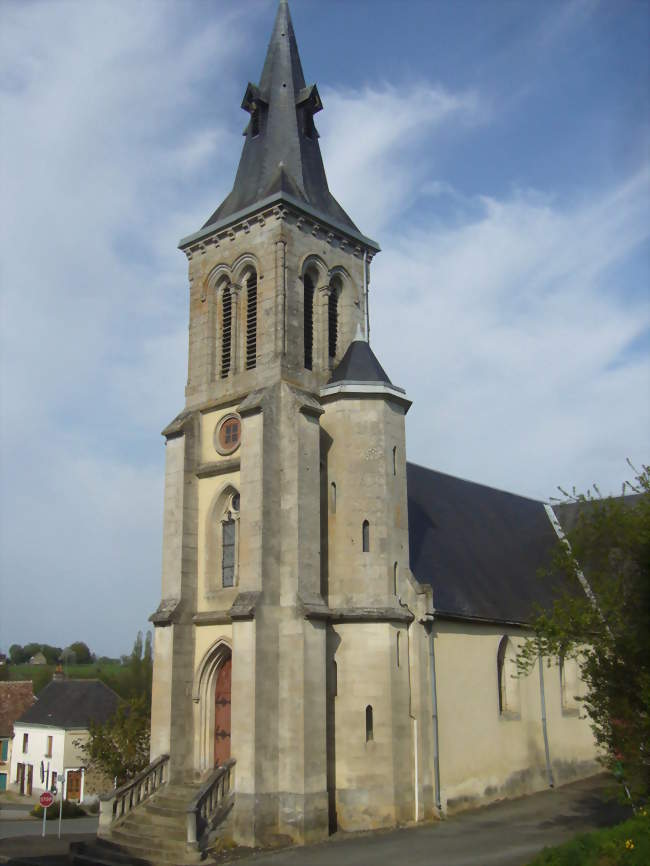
(228, 434)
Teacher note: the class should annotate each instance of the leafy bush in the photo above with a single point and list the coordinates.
(70, 810)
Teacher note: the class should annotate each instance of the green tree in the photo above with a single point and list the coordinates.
(17, 654)
(51, 653)
(606, 627)
(120, 748)
(81, 652)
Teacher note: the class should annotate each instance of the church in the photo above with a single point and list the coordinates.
(337, 626)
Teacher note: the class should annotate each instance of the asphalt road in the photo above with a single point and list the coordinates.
(508, 833)
(33, 827)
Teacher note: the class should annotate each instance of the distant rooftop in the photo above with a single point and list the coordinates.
(72, 704)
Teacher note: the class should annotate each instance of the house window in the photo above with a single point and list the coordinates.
(48, 752)
(365, 535)
(226, 330)
(251, 322)
(25, 742)
(4, 750)
(395, 460)
(332, 322)
(333, 497)
(308, 329)
(55, 776)
(369, 724)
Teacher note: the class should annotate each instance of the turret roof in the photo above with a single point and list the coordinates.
(359, 364)
(281, 153)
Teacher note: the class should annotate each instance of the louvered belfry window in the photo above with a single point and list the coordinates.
(332, 322)
(309, 321)
(251, 322)
(226, 331)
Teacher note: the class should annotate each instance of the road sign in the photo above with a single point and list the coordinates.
(46, 799)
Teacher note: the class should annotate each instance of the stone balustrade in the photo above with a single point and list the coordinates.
(117, 804)
(212, 803)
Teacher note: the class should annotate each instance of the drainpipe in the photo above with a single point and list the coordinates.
(434, 715)
(365, 293)
(542, 696)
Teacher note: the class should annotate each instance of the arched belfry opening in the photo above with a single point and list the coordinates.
(212, 697)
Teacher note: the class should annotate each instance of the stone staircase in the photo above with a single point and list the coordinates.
(153, 833)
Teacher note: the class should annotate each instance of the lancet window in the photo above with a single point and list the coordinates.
(370, 734)
(229, 533)
(507, 682)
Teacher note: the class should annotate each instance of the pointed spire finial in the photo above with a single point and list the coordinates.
(281, 130)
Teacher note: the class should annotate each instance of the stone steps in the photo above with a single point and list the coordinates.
(153, 833)
(141, 827)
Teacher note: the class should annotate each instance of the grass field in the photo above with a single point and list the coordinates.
(626, 844)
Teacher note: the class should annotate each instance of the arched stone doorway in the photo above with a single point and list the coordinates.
(212, 695)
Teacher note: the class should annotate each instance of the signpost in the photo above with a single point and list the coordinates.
(46, 799)
(62, 777)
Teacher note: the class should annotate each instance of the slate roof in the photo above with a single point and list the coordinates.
(479, 548)
(15, 698)
(359, 364)
(284, 155)
(72, 704)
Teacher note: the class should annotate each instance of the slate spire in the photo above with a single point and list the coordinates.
(281, 153)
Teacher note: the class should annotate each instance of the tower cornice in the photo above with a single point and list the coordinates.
(277, 206)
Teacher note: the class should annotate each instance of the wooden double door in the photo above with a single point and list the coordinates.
(222, 694)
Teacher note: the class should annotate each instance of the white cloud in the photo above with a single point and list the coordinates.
(104, 171)
(376, 144)
(517, 335)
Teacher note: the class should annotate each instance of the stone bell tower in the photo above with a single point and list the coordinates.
(278, 289)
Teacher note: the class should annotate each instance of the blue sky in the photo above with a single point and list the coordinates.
(498, 151)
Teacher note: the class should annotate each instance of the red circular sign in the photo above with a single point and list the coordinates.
(46, 799)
